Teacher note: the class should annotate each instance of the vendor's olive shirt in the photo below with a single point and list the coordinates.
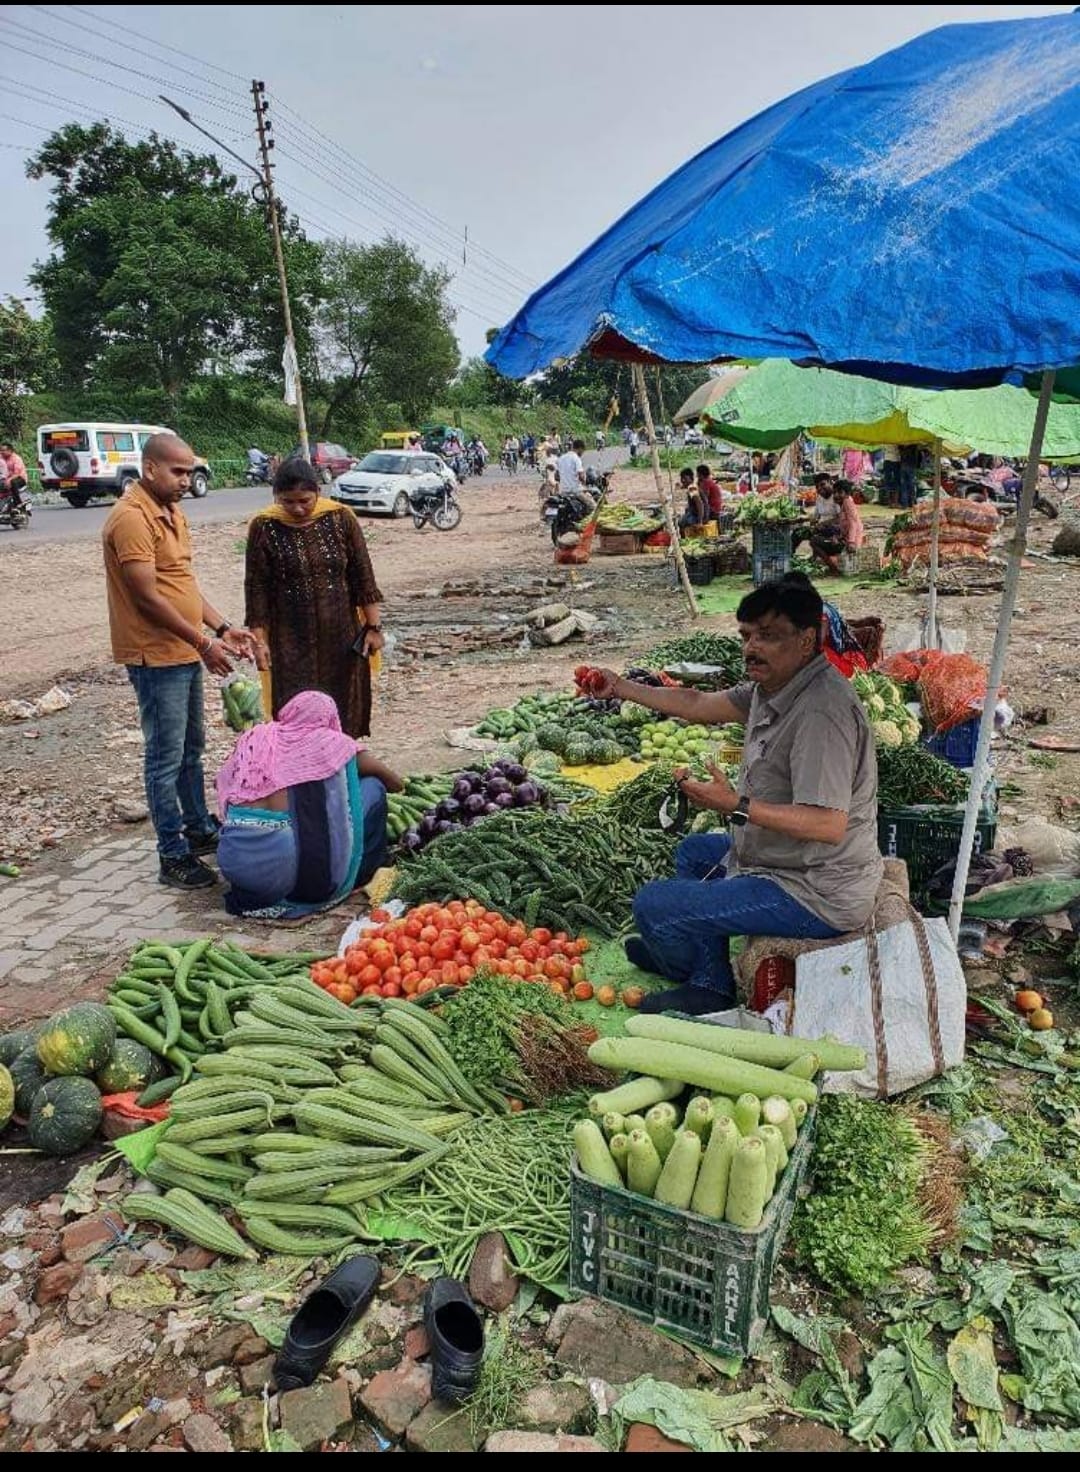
(810, 744)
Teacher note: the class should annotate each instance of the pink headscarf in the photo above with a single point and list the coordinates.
(304, 744)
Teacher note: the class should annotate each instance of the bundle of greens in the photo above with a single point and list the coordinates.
(520, 1037)
(910, 775)
(869, 1210)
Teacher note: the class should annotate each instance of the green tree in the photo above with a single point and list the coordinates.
(384, 331)
(478, 385)
(592, 384)
(27, 361)
(160, 262)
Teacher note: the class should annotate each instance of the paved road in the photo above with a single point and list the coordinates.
(64, 523)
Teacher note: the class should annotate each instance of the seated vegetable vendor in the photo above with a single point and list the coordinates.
(303, 813)
(802, 859)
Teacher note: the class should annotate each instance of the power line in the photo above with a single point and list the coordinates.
(24, 32)
(443, 243)
(353, 162)
(33, 94)
(372, 179)
(128, 30)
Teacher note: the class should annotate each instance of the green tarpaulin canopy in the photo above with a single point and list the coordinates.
(776, 402)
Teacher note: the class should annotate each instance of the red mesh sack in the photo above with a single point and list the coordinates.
(952, 689)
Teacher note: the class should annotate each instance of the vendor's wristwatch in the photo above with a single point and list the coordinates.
(740, 813)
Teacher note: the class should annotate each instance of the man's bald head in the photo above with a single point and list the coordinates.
(167, 465)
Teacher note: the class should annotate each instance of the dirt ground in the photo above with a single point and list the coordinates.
(455, 605)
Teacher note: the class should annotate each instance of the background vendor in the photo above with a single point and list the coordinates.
(802, 860)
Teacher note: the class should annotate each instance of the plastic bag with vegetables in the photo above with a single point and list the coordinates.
(241, 700)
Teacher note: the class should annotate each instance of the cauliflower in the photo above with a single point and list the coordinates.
(887, 733)
(875, 705)
(912, 730)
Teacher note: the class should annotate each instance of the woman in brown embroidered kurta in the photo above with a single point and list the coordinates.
(312, 600)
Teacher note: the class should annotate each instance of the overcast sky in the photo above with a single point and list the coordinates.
(533, 127)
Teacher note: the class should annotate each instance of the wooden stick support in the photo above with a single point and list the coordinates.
(667, 500)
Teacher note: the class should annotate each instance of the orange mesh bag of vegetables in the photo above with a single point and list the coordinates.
(952, 688)
(906, 667)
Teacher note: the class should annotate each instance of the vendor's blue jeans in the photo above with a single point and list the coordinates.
(171, 714)
(686, 922)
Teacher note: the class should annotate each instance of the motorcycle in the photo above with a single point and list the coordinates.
(971, 486)
(15, 508)
(436, 504)
(257, 475)
(477, 461)
(564, 510)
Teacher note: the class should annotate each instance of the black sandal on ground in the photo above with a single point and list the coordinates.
(456, 1334)
(321, 1320)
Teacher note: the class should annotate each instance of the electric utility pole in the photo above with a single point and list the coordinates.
(266, 143)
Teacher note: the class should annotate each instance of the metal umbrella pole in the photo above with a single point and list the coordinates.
(932, 640)
(1001, 647)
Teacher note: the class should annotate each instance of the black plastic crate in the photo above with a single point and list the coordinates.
(705, 1280)
(768, 567)
(956, 746)
(699, 568)
(928, 837)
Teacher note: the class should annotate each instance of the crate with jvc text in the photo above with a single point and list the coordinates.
(705, 1280)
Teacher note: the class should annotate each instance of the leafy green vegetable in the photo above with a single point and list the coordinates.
(520, 1038)
(863, 1219)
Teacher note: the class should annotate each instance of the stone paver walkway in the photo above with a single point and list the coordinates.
(64, 928)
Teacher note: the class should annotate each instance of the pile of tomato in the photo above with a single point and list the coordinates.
(445, 945)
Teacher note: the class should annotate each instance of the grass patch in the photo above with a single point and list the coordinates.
(510, 1370)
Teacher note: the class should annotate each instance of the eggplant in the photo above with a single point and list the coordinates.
(448, 808)
(491, 807)
(505, 800)
(462, 788)
(515, 773)
(474, 805)
(526, 793)
(498, 787)
(426, 826)
(444, 825)
(411, 841)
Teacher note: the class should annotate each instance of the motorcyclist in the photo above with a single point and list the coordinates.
(601, 439)
(12, 473)
(258, 463)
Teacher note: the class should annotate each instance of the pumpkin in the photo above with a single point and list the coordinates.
(14, 1043)
(130, 1067)
(7, 1097)
(78, 1040)
(65, 1114)
(28, 1076)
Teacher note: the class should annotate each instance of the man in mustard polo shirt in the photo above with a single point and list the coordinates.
(157, 619)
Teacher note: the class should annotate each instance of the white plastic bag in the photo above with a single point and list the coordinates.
(898, 993)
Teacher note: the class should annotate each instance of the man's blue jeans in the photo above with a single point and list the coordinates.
(686, 922)
(171, 714)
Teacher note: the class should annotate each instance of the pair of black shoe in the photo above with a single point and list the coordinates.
(188, 871)
(455, 1330)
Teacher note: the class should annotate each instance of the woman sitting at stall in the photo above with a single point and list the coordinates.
(303, 813)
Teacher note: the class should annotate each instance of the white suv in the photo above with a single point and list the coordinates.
(83, 460)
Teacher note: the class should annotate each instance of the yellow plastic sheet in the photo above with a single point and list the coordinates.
(606, 778)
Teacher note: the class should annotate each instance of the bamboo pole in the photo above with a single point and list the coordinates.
(666, 498)
(1001, 647)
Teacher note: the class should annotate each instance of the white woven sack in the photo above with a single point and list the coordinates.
(899, 994)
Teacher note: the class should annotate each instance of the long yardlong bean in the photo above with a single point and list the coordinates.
(504, 1174)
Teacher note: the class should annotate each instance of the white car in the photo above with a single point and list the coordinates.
(85, 459)
(380, 485)
(692, 436)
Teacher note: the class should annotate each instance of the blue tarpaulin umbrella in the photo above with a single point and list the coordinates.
(914, 220)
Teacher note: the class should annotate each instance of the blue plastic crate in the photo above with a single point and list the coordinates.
(956, 746)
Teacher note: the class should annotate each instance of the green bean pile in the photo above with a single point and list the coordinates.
(505, 1174)
(722, 650)
(565, 871)
(910, 775)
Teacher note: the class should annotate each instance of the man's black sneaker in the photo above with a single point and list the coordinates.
(186, 873)
(203, 843)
